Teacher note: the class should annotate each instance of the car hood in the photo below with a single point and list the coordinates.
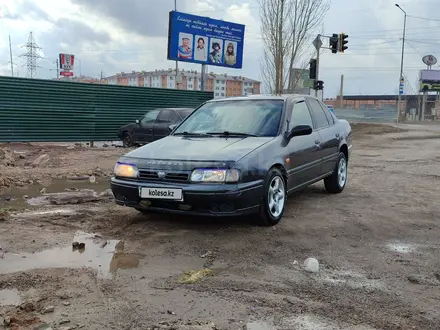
(199, 148)
(127, 127)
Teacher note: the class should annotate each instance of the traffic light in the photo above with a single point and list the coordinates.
(343, 42)
(318, 85)
(312, 72)
(334, 40)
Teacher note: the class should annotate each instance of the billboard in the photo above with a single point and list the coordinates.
(300, 78)
(430, 75)
(429, 87)
(67, 62)
(66, 73)
(202, 40)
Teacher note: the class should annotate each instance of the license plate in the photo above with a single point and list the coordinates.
(161, 193)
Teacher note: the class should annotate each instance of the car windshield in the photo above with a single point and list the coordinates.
(247, 117)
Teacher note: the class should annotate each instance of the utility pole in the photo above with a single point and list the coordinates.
(341, 93)
(57, 66)
(101, 77)
(32, 56)
(10, 54)
(318, 44)
(400, 116)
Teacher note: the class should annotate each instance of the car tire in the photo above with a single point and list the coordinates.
(144, 211)
(127, 140)
(274, 199)
(336, 182)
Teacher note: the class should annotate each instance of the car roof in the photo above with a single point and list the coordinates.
(176, 109)
(282, 97)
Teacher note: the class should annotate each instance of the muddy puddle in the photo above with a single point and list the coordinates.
(401, 247)
(105, 257)
(22, 197)
(9, 297)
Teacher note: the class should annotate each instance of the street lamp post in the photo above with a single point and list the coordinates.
(401, 116)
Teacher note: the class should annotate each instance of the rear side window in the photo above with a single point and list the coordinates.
(166, 116)
(327, 113)
(318, 113)
(184, 113)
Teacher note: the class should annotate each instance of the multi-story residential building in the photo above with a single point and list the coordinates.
(222, 85)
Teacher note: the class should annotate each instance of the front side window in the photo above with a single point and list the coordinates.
(150, 117)
(300, 115)
(256, 117)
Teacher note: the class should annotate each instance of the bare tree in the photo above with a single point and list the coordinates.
(287, 27)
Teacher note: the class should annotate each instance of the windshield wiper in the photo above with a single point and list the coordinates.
(191, 134)
(227, 133)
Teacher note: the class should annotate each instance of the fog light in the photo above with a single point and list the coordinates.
(145, 203)
(185, 207)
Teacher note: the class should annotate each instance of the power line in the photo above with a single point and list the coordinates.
(31, 56)
(424, 18)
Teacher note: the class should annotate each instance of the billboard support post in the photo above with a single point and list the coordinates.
(202, 78)
(177, 62)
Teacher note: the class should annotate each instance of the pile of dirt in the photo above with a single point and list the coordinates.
(361, 129)
(6, 157)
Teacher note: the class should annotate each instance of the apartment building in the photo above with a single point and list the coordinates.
(222, 85)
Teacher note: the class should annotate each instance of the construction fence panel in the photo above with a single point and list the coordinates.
(36, 110)
(386, 115)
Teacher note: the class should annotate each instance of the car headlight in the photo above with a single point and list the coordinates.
(126, 170)
(215, 175)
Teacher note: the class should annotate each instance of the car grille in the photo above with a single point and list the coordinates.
(146, 175)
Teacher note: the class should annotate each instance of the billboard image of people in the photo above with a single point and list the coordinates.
(185, 46)
(201, 49)
(230, 55)
(203, 40)
(215, 55)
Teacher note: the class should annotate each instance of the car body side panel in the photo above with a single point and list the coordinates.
(330, 138)
(304, 160)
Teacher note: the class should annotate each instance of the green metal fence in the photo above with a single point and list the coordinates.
(34, 110)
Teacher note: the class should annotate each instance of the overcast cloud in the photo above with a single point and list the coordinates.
(123, 35)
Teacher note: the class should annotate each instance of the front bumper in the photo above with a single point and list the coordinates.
(198, 199)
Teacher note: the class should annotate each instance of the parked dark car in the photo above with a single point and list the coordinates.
(238, 156)
(154, 125)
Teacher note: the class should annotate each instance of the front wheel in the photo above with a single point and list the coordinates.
(274, 199)
(127, 140)
(336, 182)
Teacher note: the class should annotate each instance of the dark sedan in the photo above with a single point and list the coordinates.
(154, 125)
(238, 156)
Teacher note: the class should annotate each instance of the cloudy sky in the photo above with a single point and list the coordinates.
(123, 35)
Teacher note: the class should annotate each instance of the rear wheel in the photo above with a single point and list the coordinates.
(274, 199)
(336, 182)
(127, 140)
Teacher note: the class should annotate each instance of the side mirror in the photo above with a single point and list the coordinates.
(137, 121)
(299, 130)
(171, 127)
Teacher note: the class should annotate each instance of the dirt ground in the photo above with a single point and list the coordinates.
(377, 244)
